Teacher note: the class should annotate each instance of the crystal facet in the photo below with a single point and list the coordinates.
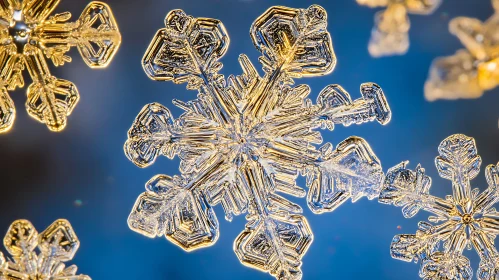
(470, 71)
(245, 139)
(29, 37)
(465, 219)
(56, 245)
(391, 26)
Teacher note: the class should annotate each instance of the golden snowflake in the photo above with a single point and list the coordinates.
(56, 245)
(470, 71)
(29, 36)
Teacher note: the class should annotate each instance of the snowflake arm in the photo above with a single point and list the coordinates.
(245, 140)
(30, 37)
(170, 208)
(391, 26)
(464, 220)
(274, 239)
(351, 171)
(410, 190)
(490, 196)
(56, 245)
(50, 100)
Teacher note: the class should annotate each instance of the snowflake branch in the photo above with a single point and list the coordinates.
(351, 171)
(50, 100)
(410, 190)
(335, 106)
(273, 227)
(95, 34)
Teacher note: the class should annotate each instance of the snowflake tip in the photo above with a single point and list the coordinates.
(189, 222)
(372, 91)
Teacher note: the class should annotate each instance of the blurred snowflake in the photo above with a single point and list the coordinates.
(390, 33)
(471, 71)
(57, 244)
(29, 36)
(464, 220)
(247, 138)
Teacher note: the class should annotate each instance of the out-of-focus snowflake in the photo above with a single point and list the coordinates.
(247, 138)
(28, 37)
(57, 245)
(391, 26)
(471, 71)
(464, 220)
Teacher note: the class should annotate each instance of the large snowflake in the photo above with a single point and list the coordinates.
(464, 220)
(470, 71)
(28, 37)
(390, 33)
(247, 138)
(57, 244)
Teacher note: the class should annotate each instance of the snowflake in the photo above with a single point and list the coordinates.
(57, 244)
(390, 33)
(471, 71)
(464, 220)
(247, 138)
(29, 36)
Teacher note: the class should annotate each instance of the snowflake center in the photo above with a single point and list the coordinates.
(241, 136)
(241, 140)
(467, 219)
(19, 31)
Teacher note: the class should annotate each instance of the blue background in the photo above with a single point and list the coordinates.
(44, 174)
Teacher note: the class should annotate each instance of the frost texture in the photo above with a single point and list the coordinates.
(248, 138)
(29, 37)
(391, 26)
(473, 70)
(466, 219)
(56, 245)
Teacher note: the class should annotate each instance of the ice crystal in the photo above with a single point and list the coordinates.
(471, 71)
(391, 26)
(464, 220)
(247, 138)
(56, 245)
(29, 37)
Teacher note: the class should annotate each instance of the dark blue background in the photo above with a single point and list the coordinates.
(44, 173)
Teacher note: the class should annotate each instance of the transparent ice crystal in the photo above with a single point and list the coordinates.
(56, 245)
(248, 138)
(28, 37)
(390, 33)
(465, 219)
(473, 70)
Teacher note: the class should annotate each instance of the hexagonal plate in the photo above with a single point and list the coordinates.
(21, 238)
(184, 217)
(101, 37)
(186, 47)
(59, 240)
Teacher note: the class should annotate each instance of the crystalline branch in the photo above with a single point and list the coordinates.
(244, 140)
(29, 36)
(465, 219)
(56, 245)
(472, 70)
(390, 33)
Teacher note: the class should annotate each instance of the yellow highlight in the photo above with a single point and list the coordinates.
(31, 36)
